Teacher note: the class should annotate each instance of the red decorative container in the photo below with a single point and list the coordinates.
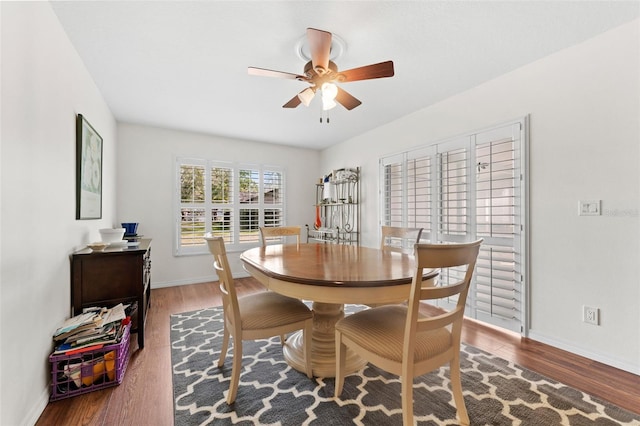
(318, 223)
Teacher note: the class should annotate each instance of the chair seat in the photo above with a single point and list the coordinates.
(381, 330)
(269, 309)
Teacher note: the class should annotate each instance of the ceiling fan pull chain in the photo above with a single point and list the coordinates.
(322, 114)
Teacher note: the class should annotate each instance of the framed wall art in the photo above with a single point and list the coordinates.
(88, 170)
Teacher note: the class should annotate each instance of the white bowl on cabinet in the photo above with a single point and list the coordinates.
(111, 235)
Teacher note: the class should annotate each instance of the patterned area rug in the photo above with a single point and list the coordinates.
(496, 391)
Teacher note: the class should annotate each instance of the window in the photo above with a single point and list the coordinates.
(228, 200)
(463, 189)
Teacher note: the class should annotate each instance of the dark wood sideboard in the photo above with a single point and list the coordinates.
(112, 276)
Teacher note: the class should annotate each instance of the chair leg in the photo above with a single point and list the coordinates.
(235, 370)
(341, 358)
(456, 387)
(225, 345)
(407, 400)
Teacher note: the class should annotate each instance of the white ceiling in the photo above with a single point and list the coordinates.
(183, 64)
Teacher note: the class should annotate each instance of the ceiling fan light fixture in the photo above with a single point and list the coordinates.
(329, 93)
(327, 105)
(306, 96)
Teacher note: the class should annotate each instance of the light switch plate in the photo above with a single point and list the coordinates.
(589, 208)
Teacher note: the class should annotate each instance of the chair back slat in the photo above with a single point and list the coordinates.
(432, 293)
(439, 321)
(270, 233)
(445, 255)
(399, 239)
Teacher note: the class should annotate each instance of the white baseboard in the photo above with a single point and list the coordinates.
(197, 280)
(38, 408)
(603, 358)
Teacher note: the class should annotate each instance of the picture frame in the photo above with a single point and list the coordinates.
(88, 170)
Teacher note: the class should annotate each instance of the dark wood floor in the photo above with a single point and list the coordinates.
(145, 395)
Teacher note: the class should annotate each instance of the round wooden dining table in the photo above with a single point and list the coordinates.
(330, 275)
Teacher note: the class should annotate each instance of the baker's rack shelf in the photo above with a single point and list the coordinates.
(337, 208)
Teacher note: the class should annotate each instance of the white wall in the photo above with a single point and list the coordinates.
(146, 182)
(44, 86)
(584, 106)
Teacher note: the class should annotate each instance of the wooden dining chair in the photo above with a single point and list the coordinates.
(255, 316)
(403, 341)
(280, 232)
(399, 239)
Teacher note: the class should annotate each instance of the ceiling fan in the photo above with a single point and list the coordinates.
(322, 74)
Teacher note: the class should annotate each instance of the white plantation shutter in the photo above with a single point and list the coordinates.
(273, 189)
(393, 176)
(226, 199)
(419, 192)
(460, 190)
(249, 210)
(498, 292)
(222, 202)
(453, 195)
(497, 287)
(452, 216)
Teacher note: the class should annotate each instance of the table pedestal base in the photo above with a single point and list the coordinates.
(323, 354)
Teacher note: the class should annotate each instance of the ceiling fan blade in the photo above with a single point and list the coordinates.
(346, 100)
(263, 72)
(294, 102)
(320, 47)
(380, 70)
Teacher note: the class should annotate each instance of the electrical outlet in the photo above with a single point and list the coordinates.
(589, 208)
(591, 315)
